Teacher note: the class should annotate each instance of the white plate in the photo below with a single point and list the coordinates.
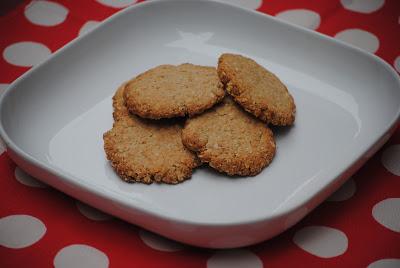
(53, 118)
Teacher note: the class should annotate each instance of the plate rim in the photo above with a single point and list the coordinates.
(108, 195)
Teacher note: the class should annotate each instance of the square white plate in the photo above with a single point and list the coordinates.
(53, 118)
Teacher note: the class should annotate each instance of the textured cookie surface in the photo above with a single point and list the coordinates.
(146, 151)
(169, 91)
(257, 90)
(119, 109)
(230, 139)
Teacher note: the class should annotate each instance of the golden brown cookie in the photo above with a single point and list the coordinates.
(230, 140)
(119, 108)
(170, 91)
(146, 151)
(257, 90)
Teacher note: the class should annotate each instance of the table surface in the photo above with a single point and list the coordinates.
(358, 226)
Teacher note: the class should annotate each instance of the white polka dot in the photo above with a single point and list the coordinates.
(250, 4)
(396, 64)
(27, 179)
(234, 258)
(88, 26)
(385, 263)
(26, 53)
(80, 256)
(387, 213)
(20, 231)
(345, 192)
(302, 17)
(159, 243)
(391, 159)
(362, 6)
(359, 38)
(92, 213)
(117, 3)
(321, 241)
(45, 13)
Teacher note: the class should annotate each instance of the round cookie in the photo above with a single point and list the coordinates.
(118, 103)
(230, 140)
(145, 151)
(170, 91)
(257, 90)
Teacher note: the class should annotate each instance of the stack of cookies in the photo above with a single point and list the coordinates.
(171, 119)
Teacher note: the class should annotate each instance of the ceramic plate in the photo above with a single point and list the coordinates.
(53, 119)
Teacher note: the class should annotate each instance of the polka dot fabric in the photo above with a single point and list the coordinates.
(358, 226)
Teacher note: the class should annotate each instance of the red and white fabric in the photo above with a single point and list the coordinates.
(358, 226)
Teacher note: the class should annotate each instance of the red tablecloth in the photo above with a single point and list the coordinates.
(358, 226)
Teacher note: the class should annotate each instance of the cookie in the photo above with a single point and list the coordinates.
(145, 151)
(118, 103)
(256, 89)
(171, 91)
(230, 140)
